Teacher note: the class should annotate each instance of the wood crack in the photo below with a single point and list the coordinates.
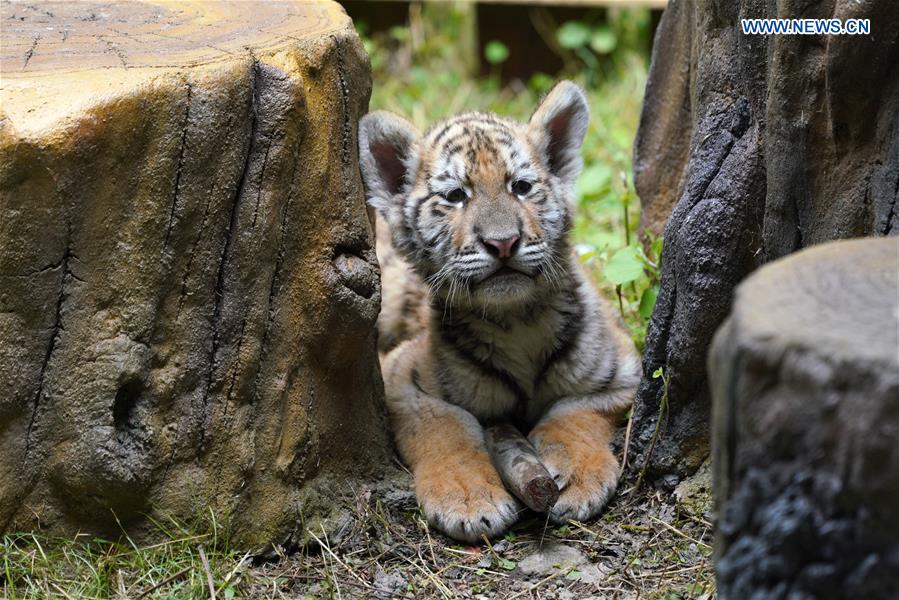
(30, 52)
(259, 183)
(226, 250)
(177, 186)
(51, 347)
(345, 103)
(193, 250)
(113, 48)
(888, 226)
(275, 285)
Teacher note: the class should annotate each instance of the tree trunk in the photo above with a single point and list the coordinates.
(751, 147)
(188, 286)
(805, 382)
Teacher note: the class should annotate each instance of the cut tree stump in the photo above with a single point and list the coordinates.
(805, 387)
(188, 288)
(750, 147)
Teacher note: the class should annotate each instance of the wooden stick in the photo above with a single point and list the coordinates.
(520, 468)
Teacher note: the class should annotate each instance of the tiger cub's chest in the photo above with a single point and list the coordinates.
(496, 370)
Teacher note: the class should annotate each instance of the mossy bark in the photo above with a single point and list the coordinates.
(188, 285)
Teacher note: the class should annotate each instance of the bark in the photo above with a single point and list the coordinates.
(520, 468)
(750, 148)
(188, 285)
(805, 382)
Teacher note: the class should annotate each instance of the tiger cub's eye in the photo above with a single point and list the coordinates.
(456, 195)
(521, 187)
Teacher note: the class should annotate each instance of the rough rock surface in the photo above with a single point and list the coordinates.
(749, 148)
(187, 281)
(551, 558)
(805, 382)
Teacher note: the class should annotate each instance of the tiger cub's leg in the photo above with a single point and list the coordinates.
(574, 445)
(455, 482)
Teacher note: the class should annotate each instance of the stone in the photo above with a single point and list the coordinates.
(694, 494)
(188, 284)
(552, 557)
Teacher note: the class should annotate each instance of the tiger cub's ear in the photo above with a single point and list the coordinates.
(387, 157)
(557, 129)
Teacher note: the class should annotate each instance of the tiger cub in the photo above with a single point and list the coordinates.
(487, 314)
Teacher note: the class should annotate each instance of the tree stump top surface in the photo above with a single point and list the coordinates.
(57, 56)
(840, 299)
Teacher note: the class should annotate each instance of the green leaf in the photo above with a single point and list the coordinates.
(573, 34)
(648, 301)
(229, 593)
(540, 83)
(496, 52)
(624, 266)
(506, 564)
(660, 372)
(657, 248)
(594, 180)
(603, 40)
(586, 252)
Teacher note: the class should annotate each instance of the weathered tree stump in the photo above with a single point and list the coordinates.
(805, 385)
(751, 147)
(187, 282)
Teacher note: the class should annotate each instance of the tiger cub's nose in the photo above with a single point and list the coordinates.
(503, 248)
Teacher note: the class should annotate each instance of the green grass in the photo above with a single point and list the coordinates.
(36, 566)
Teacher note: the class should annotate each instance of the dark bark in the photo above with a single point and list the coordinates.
(805, 386)
(520, 468)
(750, 148)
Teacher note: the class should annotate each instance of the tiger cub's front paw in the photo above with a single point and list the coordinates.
(465, 501)
(584, 468)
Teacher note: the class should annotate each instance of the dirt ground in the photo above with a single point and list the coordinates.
(647, 544)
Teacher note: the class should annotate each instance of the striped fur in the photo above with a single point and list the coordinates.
(470, 336)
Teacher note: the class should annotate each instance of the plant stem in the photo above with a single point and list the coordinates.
(663, 406)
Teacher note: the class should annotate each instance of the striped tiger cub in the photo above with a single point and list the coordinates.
(488, 315)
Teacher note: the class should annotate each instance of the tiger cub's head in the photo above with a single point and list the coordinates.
(479, 205)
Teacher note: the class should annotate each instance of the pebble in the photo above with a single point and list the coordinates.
(551, 558)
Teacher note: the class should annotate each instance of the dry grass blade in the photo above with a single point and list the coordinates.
(679, 532)
(327, 548)
(627, 442)
(164, 582)
(536, 585)
(206, 568)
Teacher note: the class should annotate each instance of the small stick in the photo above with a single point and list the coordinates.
(520, 468)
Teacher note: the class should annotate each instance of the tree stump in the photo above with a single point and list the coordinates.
(188, 286)
(805, 387)
(751, 147)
